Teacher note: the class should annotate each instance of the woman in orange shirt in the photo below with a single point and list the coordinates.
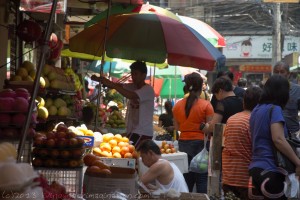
(188, 114)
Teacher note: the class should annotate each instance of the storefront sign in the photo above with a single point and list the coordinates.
(259, 47)
(256, 68)
(43, 6)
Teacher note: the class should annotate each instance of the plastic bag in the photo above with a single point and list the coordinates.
(199, 163)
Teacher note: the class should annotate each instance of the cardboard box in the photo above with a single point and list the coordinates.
(119, 162)
(103, 186)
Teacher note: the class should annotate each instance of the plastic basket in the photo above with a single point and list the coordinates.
(26, 153)
(72, 179)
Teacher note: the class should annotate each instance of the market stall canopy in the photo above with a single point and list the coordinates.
(163, 38)
(205, 30)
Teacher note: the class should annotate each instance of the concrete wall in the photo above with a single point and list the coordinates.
(3, 41)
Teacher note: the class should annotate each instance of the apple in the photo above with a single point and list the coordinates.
(71, 134)
(49, 163)
(61, 128)
(57, 188)
(62, 143)
(50, 135)
(166, 146)
(80, 141)
(43, 152)
(39, 134)
(73, 163)
(40, 141)
(35, 152)
(162, 150)
(168, 151)
(73, 142)
(54, 153)
(50, 143)
(36, 162)
(77, 153)
(64, 154)
(61, 134)
(173, 150)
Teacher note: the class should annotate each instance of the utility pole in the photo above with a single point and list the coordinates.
(276, 49)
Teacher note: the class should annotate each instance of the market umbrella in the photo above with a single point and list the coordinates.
(68, 53)
(209, 33)
(161, 38)
(126, 9)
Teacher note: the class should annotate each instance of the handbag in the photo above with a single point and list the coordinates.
(199, 163)
(280, 159)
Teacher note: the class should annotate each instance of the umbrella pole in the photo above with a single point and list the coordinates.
(36, 84)
(102, 64)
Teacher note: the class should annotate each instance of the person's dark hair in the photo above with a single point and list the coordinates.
(275, 91)
(251, 97)
(282, 64)
(168, 108)
(146, 145)
(140, 66)
(87, 114)
(229, 74)
(242, 82)
(221, 83)
(193, 84)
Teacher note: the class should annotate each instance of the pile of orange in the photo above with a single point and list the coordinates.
(115, 146)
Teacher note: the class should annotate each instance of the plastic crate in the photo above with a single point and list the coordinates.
(26, 154)
(72, 179)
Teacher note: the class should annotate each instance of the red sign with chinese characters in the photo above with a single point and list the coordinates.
(256, 68)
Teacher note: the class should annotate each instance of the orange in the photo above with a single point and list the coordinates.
(122, 144)
(125, 139)
(107, 137)
(105, 147)
(124, 150)
(104, 154)
(116, 149)
(131, 148)
(135, 155)
(118, 137)
(128, 155)
(117, 155)
(113, 142)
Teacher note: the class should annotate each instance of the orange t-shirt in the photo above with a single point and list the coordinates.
(189, 127)
(236, 155)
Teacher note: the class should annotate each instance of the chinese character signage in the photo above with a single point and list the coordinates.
(43, 6)
(257, 46)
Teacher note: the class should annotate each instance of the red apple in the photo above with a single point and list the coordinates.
(64, 154)
(62, 143)
(57, 188)
(50, 135)
(36, 162)
(50, 143)
(73, 163)
(43, 152)
(71, 134)
(61, 128)
(54, 153)
(49, 163)
(77, 153)
(73, 142)
(80, 141)
(61, 134)
(40, 141)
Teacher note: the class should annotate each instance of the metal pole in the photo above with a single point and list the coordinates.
(276, 49)
(36, 82)
(102, 63)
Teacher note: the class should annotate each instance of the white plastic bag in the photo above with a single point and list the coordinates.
(199, 163)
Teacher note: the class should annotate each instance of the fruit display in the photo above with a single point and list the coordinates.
(167, 147)
(115, 120)
(58, 148)
(77, 83)
(26, 72)
(60, 106)
(14, 105)
(115, 146)
(56, 78)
